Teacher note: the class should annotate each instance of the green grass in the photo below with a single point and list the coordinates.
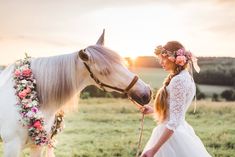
(109, 128)
(153, 76)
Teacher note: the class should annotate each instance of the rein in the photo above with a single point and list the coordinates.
(141, 127)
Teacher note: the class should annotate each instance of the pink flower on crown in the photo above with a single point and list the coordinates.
(180, 60)
(17, 73)
(171, 58)
(26, 72)
(180, 52)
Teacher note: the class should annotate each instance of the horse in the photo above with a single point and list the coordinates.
(60, 79)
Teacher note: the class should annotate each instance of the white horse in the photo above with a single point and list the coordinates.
(59, 79)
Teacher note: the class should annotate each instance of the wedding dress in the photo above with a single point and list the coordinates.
(184, 142)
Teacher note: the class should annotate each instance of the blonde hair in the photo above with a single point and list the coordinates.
(161, 106)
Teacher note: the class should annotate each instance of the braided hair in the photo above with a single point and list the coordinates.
(161, 106)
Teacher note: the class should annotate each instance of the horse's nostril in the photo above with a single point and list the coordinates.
(146, 98)
(141, 99)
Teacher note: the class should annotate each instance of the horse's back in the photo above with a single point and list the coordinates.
(6, 75)
(8, 110)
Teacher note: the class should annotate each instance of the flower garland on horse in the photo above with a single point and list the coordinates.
(28, 105)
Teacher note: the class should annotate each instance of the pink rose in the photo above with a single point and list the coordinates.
(22, 94)
(37, 125)
(172, 59)
(180, 60)
(27, 90)
(26, 72)
(17, 73)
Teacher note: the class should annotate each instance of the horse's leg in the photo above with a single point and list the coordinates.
(13, 148)
(50, 152)
(38, 152)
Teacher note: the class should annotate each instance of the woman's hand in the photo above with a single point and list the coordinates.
(149, 153)
(147, 109)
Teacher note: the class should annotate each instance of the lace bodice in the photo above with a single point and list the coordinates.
(181, 91)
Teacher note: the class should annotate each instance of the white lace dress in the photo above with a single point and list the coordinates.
(184, 142)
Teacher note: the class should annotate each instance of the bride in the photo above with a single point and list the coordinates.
(174, 137)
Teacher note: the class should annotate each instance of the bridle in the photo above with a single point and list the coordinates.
(103, 85)
(124, 91)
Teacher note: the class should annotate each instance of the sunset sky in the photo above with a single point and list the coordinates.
(133, 27)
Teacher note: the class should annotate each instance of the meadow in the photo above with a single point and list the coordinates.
(107, 127)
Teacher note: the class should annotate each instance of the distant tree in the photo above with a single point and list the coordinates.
(199, 95)
(228, 95)
(215, 97)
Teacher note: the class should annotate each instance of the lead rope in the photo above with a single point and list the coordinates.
(140, 135)
(141, 127)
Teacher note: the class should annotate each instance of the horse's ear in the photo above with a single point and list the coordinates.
(101, 39)
(83, 55)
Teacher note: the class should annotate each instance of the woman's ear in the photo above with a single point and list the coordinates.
(83, 55)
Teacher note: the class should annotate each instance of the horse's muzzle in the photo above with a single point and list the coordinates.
(141, 99)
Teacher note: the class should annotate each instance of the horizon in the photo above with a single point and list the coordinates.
(133, 28)
(133, 59)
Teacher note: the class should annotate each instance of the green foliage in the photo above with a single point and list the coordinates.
(228, 95)
(215, 97)
(200, 95)
(85, 95)
(214, 71)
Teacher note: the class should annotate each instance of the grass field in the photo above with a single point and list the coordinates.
(109, 128)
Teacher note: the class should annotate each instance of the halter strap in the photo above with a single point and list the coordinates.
(102, 85)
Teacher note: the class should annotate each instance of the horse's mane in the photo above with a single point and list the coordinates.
(58, 76)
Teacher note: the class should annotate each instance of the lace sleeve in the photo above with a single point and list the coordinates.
(177, 97)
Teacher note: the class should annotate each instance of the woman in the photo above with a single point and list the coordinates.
(174, 137)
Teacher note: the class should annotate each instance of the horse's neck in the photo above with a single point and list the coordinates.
(59, 79)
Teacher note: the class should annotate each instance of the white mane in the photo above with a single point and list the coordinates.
(58, 77)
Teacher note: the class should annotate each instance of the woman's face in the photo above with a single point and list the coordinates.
(166, 64)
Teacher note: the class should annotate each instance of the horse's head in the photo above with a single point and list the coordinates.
(107, 67)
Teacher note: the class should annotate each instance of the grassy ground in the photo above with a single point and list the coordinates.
(109, 128)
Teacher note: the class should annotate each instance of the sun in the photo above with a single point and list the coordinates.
(133, 58)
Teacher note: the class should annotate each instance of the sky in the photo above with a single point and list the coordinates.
(133, 27)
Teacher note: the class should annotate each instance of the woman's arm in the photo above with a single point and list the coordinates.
(167, 133)
(164, 137)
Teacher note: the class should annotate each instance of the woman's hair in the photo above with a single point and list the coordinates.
(161, 107)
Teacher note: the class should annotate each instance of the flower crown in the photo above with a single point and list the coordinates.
(179, 57)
